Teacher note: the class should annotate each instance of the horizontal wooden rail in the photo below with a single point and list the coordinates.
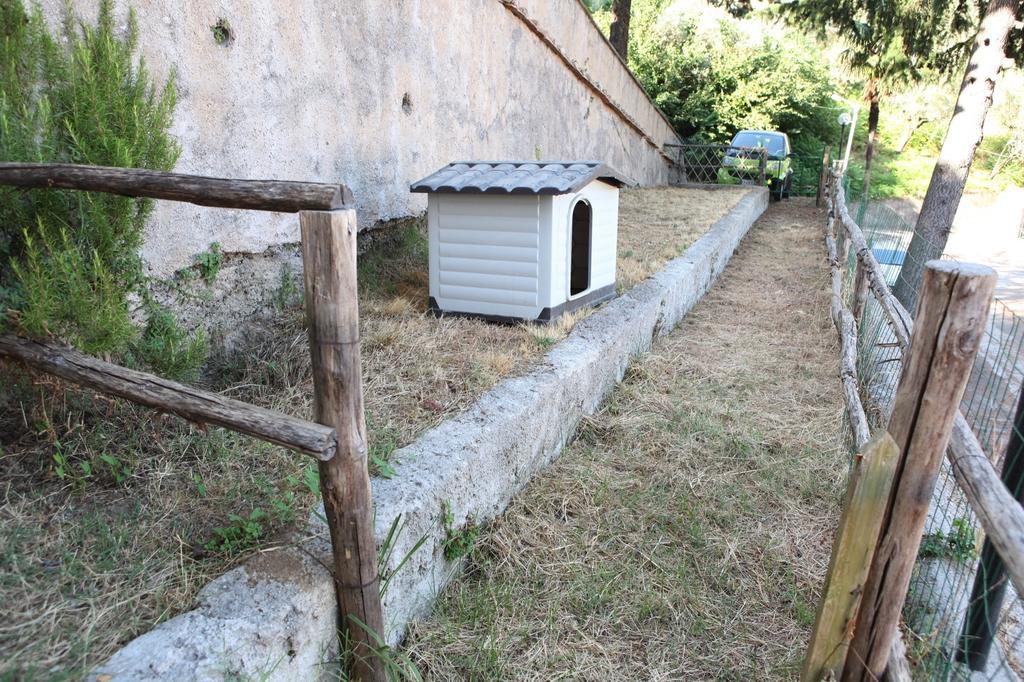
(998, 511)
(257, 195)
(846, 327)
(899, 319)
(1000, 515)
(168, 396)
(847, 324)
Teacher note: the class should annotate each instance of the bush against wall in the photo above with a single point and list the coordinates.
(69, 263)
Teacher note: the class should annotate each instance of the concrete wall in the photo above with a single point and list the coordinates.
(376, 94)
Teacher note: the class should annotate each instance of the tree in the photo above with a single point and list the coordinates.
(890, 43)
(706, 70)
(962, 139)
(619, 32)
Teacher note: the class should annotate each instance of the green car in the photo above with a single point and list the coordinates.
(742, 160)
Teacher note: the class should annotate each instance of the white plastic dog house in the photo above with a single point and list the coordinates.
(521, 240)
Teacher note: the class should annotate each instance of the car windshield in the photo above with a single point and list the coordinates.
(773, 142)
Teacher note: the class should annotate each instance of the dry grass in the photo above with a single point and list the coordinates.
(685, 532)
(97, 550)
(657, 224)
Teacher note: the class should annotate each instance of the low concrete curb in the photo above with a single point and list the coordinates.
(273, 617)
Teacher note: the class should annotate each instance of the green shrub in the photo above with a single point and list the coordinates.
(958, 544)
(69, 263)
(167, 348)
(209, 262)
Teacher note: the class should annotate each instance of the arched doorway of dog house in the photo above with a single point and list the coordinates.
(579, 247)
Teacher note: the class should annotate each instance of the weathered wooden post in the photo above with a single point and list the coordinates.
(860, 292)
(951, 314)
(332, 312)
(823, 176)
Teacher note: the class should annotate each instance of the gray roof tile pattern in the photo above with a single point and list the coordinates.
(518, 177)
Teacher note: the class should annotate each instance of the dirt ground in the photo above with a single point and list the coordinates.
(112, 517)
(657, 224)
(685, 533)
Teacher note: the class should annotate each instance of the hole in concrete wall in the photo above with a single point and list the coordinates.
(579, 263)
(222, 33)
(407, 103)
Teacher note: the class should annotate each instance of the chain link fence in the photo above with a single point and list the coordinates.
(962, 621)
(796, 175)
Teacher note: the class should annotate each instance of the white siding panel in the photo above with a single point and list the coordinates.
(488, 205)
(487, 237)
(520, 298)
(544, 292)
(604, 200)
(488, 253)
(604, 204)
(489, 281)
(489, 266)
(528, 312)
(560, 212)
(434, 249)
(488, 250)
(489, 223)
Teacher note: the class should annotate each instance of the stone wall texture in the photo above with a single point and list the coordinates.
(376, 94)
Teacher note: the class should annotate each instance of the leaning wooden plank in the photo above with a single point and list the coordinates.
(257, 195)
(866, 498)
(190, 403)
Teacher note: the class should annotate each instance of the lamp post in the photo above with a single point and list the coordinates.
(844, 120)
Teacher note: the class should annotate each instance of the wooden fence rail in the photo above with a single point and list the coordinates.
(1002, 521)
(328, 226)
(255, 195)
(846, 327)
(925, 419)
(187, 402)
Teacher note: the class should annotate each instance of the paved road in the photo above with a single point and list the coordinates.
(987, 230)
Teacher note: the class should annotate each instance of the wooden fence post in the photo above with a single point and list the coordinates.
(823, 176)
(860, 290)
(948, 327)
(332, 312)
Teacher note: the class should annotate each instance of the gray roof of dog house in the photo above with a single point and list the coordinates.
(518, 177)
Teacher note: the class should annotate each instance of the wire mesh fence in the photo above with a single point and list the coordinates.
(961, 620)
(716, 164)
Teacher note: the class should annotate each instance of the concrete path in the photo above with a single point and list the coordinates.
(685, 532)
